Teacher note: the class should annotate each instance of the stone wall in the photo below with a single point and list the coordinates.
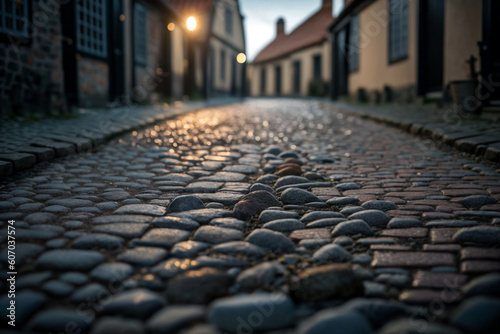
(31, 75)
(93, 82)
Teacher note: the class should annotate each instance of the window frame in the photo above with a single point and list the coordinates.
(86, 50)
(14, 36)
(401, 27)
(140, 34)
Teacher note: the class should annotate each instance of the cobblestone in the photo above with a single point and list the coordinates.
(181, 211)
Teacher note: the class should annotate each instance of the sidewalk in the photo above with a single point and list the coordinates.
(24, 144)
(476, 135)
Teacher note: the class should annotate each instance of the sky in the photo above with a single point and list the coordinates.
(261, 16)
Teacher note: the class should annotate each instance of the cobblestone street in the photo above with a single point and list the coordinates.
(269, 215)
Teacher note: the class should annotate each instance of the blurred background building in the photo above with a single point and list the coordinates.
(96, 53)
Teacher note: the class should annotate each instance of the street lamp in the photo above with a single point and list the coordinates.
(191, 23)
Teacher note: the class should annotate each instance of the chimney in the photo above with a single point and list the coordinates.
(327, 3)
(280, 27)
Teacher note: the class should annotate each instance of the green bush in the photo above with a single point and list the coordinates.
(316, 88)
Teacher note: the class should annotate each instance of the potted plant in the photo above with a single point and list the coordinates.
(463, 91)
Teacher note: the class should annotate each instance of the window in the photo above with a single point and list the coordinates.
(263, 81)
(228, 15)
(353, 51)
(91, 27)
(140, 44)
(317, 67)
(296, 77)
(223, 64)
(14, 17)
(398, 30)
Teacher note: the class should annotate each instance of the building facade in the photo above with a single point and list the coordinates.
(213, 46)
(403, 49)
(295, 64)
(88, 53)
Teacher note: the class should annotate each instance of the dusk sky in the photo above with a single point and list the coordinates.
(261, 15)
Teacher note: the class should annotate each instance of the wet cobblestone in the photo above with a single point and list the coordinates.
(267, 215)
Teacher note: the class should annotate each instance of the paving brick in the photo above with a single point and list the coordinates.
(436, 280)
(479, 267)
(414, 232)
(412, 259)
(41, 153)
(20, 161)
(428, 296)
(443, 235)
(392, 248)
(61, 149)
(6, 168)
(313, 233)
(476, 253)
(441, 248)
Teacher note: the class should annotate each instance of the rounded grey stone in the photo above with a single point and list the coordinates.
(233, 223)
(143, 256)
(379, 205)
(176, 222)
(40, 218)
(284, 225)
(271, 240)
(404, 223)
(484, 235)
(236, 314)
(217, 235)
(332, 253)
(347, 186)
(263, 275)
(341, 201)
(477, 315)
(270, 215)
(97, 240)
(261, 186)
(69, 260)
(345, 322)
(476, 201)
(325, 222)
(106, 325)
(172, 318)
(188, 249)
(137, 303)
(141, 209)
(239, 248)
(352, 227)
(486, 285)
(289, 180)
(185, 203)
(57, 320)
(404, 326)
(114, 271)
(315, 215)
(298, 196)
(372, 217)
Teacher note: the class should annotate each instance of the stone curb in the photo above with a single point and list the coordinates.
(481, 141)
(49, 139)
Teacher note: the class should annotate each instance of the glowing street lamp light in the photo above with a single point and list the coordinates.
(191, 23)
(241, 58)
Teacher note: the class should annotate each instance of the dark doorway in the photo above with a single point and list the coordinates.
(234, 85)
(278, 79)
(296, 77)
(69, 53)
(263, 81)
(431, 45)
(116, 51)
(490, 52)
(340, 64)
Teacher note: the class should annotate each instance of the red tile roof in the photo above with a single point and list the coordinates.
(182, 7)
(311, 32)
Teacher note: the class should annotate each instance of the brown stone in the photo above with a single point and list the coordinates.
(480, 253)
(437, 215)
(254, 203)
(290, 170)
(428, 296)
(313, 233)
(293, 161)
(412, 259)
(393, 248)
(198, 286)
(414, 232)
(479, 267)
(443, 235)
(441, 248)
(436, 280)
(327, 282)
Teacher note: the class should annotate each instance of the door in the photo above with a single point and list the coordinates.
(116, 51)
(340, 64)
(431, 45)
(68, 41)
(296, 77)
(490, 52)
(234, 85)
(278, 80)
